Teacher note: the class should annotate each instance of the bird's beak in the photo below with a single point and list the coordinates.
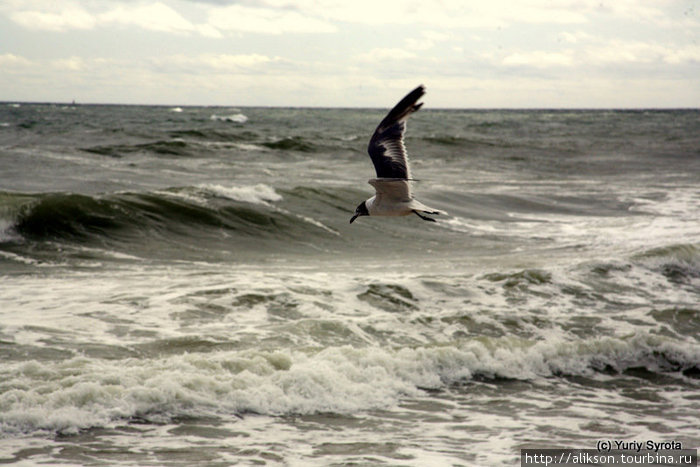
(352, 219)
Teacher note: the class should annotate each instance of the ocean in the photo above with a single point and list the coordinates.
(181, 286)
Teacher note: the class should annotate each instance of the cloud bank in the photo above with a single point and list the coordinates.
(534, 53)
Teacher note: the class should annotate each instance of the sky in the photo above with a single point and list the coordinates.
(353, 53)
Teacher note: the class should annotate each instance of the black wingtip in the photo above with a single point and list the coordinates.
(412, 97)
(406, 106)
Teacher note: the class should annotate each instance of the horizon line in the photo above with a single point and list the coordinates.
(320, 107)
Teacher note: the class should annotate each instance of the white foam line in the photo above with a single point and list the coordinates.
(18, 258)
(309, 220)
(233, 118)
(254, 194)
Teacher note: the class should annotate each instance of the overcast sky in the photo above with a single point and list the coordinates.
(353, 53)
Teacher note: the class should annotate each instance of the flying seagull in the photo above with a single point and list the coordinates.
(388, 154)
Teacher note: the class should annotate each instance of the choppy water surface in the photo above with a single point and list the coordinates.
(182, 286)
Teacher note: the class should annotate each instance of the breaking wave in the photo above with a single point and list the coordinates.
(233, 118)
(208, 216)
(201, 381)
(79, 217)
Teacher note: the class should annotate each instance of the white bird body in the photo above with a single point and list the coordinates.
(386, 149)
(393, 198)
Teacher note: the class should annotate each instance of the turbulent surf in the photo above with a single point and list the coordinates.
(181, 283)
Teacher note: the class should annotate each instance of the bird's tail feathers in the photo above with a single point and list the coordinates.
(418, 206)
(435, 211)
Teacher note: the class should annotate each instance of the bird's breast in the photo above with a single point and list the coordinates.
(385, 207)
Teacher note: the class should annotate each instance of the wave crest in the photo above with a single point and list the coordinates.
(204, 220)
(233, 118)
(336, 379)
(254, 194)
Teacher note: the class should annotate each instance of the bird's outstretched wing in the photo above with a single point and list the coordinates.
(394, 190)
(386, 148)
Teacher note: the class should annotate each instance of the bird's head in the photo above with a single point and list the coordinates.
(361, 210)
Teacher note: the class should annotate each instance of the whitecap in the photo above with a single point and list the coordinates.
(176, 109)
(260, 194)
(250, 147)
(254, 194)
(341, 379)
(7, 233)
(18, 258)
(233, 118)
(200, 194)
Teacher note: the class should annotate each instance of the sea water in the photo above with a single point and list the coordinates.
(181, 286)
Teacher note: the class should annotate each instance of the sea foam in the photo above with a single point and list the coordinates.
(233, 118)
(80, 392)
(255, 194)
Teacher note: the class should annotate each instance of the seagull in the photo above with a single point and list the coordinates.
(388, 153)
